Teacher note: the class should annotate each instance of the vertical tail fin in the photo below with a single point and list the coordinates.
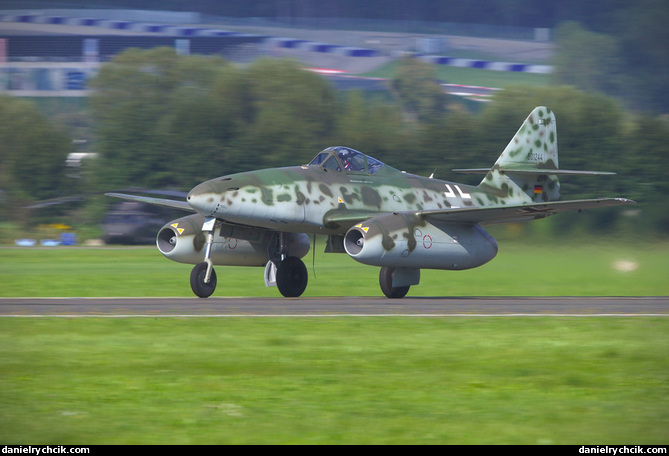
(522, 174)
(527, 171)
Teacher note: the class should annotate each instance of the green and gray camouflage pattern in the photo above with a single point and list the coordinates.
(342, 187)
(377, 214)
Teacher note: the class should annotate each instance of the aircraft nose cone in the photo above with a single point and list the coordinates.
(202, 198)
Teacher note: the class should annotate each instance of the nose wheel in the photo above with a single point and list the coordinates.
(198, 275)
(203, 276)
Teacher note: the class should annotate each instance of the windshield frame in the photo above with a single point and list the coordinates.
(348, 160)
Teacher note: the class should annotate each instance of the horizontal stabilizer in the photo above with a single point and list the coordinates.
(181, 205)
(561, 172)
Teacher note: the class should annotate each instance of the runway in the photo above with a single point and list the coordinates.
(335, 306)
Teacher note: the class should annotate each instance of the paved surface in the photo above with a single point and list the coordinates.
(424, 306)
(386, 42)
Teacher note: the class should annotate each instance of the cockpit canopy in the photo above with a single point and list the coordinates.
(346, 159)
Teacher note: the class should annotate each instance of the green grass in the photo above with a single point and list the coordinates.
(521, 268)
(334, 381)
(338, 380)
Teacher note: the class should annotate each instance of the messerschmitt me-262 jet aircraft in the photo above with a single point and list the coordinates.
(378, 215)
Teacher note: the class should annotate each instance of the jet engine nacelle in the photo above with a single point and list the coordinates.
(404, 240)
(182, 240)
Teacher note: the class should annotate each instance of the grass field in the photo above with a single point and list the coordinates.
(345, 380)
(608, 268)
(334, 380)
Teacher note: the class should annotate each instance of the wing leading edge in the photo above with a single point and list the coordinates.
(182, 205)
(513, 213)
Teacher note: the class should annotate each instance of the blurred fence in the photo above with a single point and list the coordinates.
(20, 54)
(394, 26)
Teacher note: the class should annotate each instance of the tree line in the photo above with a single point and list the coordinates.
(162, 120)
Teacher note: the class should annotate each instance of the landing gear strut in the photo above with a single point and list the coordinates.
(203, 276)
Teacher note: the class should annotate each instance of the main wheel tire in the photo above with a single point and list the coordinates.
(197, 275)
(291, 277)
(386, 282)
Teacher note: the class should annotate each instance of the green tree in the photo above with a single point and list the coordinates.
(642, 31)
(452, 142)
(647, 153)
(170, 120)
(292, 112)
(416, 86)
(587, 60)
(32, 152)
(155, 117)
(374, 128)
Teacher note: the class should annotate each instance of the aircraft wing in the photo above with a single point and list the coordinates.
(483, 215)
(182, 205)
(503, 214)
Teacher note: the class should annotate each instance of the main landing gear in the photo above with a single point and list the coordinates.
(386, 282)
(291, 277)
(395, 282)
(287, 273)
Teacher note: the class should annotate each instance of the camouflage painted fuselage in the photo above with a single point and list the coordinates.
(341, 186)
(312, 199)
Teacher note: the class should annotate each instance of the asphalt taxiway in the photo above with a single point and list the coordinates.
(336, 306)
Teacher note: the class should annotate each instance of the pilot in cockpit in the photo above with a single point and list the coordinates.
(351, 160)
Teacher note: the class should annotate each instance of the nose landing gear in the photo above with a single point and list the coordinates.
(203, 276)
(202, 288)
